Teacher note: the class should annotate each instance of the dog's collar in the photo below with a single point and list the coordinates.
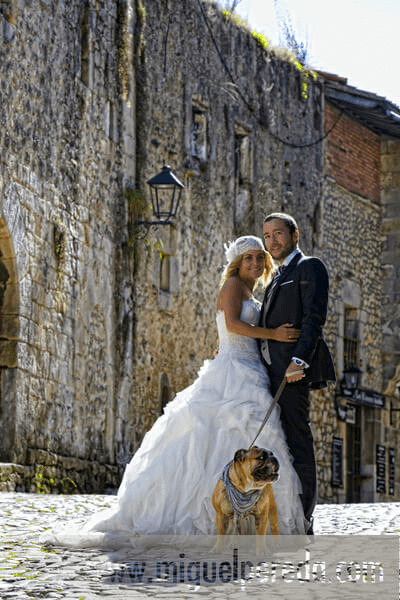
(241, 503)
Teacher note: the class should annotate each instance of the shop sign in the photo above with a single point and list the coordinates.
(380, 469)
(365, 397)
(337, 462)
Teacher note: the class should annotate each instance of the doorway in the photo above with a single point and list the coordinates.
(353, 475)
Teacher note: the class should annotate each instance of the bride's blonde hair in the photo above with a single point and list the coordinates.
(232, 269)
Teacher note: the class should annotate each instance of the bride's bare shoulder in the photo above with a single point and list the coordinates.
(233, 283)
(232, 290)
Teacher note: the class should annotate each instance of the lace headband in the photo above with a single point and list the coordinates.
(241, 245)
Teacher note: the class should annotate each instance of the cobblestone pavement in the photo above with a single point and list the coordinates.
(31, 571)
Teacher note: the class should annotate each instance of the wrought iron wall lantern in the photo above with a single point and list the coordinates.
(352, 378)
(350, 382)
(166, 192)
(350, 390)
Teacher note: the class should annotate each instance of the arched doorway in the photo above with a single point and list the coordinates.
(9, 331)
(9, 300)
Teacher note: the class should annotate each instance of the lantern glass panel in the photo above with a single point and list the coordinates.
(352, 377)
(166, 192)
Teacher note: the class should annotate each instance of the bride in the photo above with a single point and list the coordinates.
(167, 486)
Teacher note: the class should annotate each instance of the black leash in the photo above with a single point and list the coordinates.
(272, 405)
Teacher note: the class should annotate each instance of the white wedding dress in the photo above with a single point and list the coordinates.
(167, 486)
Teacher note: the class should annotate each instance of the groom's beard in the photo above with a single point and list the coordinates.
(281, 252)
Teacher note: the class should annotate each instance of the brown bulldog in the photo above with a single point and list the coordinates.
(245, 491)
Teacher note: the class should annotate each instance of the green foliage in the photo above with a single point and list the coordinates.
(296, 49)
(38, 481)
(137, 204)
(231, 16)
(261, 39)
(239, 22)
(45, 484)
(141, 12)
(68, 485)
(137, 209)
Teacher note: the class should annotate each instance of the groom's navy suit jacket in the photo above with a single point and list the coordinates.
(300, 298)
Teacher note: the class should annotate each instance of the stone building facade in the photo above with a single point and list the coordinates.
(356, 433)
(102, 322)
(95, 97)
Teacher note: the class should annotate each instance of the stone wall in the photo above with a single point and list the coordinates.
(99, 327)
(221, 138)
(67, 146)
(351, 226)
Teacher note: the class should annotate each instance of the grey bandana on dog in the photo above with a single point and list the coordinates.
(240, 503)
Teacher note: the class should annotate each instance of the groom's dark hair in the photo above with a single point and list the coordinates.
(287, 219)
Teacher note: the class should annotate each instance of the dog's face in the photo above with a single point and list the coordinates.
(258, 465)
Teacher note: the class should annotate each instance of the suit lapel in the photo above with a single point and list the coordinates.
(290, 268)
(284, 277)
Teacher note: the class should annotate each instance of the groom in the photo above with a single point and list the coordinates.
(298, 295)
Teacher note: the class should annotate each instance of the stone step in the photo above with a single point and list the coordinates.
(49, 473)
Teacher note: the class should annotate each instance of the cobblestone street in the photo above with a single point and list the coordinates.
(31, 571)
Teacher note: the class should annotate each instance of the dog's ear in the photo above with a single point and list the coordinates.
(240, 455)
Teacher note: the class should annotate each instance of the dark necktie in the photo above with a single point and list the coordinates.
(273, 286)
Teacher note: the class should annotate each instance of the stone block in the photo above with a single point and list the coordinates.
(10, 326)
(391, 225)
(25, 357)
(8, 354)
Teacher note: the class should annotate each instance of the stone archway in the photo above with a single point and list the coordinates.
(9, 331)
(9, 300)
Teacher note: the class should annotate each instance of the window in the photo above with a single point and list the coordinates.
(165, 272)
(243, 173)
(351, 338)
(199, 128)
(199, 134)
(242, 160)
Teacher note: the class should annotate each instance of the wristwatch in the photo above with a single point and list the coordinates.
(299, 362)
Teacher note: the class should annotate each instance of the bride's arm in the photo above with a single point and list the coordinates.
(230, 301)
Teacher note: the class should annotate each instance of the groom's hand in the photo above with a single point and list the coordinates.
(298, 373)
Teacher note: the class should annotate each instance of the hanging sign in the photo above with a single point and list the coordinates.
(380, 469)
(337, 462)
(365, 397)
(392, 468)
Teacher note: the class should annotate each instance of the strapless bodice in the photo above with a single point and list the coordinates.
(240, 346)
